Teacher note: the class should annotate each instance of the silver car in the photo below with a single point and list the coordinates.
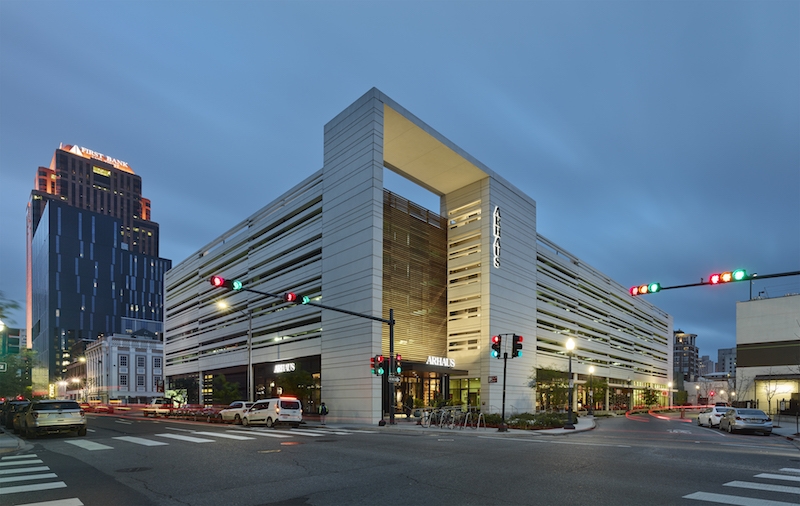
(235, 412)
(744, 419)
(52, 416)
(711, 416)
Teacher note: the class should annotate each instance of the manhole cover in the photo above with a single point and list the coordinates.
(134, 469)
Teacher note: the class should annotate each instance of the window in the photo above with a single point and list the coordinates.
(140, 380)
(156, 381)
(123, 380)
(123, 361)
(140, 360)
(156, 362)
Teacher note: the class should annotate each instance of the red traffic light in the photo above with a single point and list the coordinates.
(289, 297)
(218, 281)
(230, 284)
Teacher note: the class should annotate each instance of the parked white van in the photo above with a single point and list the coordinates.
(271, 412)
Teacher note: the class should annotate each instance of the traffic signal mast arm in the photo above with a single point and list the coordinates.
(717, 279)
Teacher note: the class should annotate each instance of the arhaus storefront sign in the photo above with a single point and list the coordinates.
(496, 237)
(441, 362)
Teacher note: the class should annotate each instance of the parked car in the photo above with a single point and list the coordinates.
(9, 408)
(14, 413)
(744, 419)
(711, 416)
(271, 412)
(52, 416)
(235, 411)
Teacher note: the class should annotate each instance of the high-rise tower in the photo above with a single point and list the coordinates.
(93, 267)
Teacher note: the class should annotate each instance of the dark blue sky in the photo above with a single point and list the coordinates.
(660, 140)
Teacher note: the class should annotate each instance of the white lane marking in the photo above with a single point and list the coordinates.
(20, 462)
(141, 441)
(219, 434)
(16, 457)
(32, 488)
(186, 438)
(324, 431)
(124, 422)
(763, 486)
(24, 470)
(258, 433)
(179, 428)
(789, 470)
(295, 432)
(28, 477)
(74, 501)
(735, 500)
(777, 477)
(89, 445)
(547, 441)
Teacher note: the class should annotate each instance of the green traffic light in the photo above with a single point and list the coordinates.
(305, 299)
(236, 284)
(653, 288)
(739, 274)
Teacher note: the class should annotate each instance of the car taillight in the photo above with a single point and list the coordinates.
(278, 408)
(738, 417)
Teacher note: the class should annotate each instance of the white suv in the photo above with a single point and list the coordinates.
(270, 412)
(235, 411)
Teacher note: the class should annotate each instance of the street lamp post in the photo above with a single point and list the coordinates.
(249, 313)
(591, 390)
(570, 347)
(697, 395)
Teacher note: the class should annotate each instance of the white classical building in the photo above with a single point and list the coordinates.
(127, 368)
(452, 278)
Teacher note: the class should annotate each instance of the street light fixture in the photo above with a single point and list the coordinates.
(224, 305)
(591, 390)
(570, 347)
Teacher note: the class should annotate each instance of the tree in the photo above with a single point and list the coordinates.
(225, 392)
(552, 386)
(649, 396)
(296, 383)
(6, 306)
(17, 378)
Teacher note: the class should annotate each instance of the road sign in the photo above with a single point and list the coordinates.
(3, 367)
(394, 379)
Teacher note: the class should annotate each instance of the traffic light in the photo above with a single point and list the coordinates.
(516, 346)
(643, 289)
(373, 366)
(398, 364)
(379, 363)
(230, 284)
(496, 342)
(289, 297)
(728, 276)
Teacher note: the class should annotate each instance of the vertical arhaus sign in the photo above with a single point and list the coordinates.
(496, 237)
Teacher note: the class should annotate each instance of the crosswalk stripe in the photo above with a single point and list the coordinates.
(23, 470)
(73, 501)
(735, 500)
(89, 445)
(777, 477)
(141, 441)
(186, 438)
(789, 470)
(229, 436)
(17, 457)
(296, 432)
(20, 462)
(763, 486)
(259, 433)
(28, 477)
(325, 431)
(32, 488)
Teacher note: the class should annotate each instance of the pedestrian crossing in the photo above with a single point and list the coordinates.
(27, 473)
(203, 436)
(787, 487)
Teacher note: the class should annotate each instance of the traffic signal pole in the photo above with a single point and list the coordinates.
(386, 388)
(751, 277)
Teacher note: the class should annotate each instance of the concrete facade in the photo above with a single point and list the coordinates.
(325, 239)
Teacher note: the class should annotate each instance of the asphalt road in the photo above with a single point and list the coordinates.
(642, 460)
